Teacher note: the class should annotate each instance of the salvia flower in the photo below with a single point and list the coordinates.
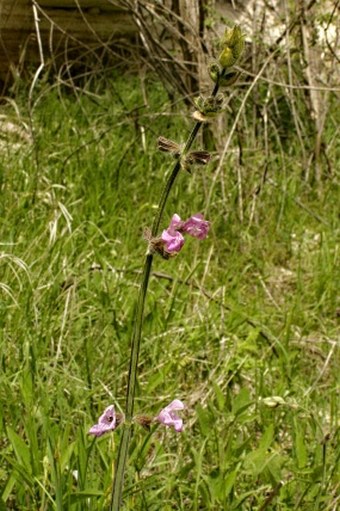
(173, 240)
(106, 422)
(168, 416)
(196, 226)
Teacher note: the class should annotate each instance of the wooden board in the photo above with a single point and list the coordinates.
(103, 5)
(97, 21)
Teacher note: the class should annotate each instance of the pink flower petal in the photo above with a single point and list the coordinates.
(176, 404)
(106, 422)
(168, 417)
(196, 226)
(175, 224)
(173, 241)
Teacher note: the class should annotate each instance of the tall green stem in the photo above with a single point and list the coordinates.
(118, 483)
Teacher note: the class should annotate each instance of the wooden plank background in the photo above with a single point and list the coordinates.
(81, 22)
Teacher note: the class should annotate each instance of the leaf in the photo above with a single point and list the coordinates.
(83, 495)
(267, 438)
(205, 420)
(215, 483)
(274, 468)
(220, 397)
(229, 483)
(158, 377)
(9, 487)
(300, 448)
(257, 460)
(66, 456)
(241, 402)
(21, 449)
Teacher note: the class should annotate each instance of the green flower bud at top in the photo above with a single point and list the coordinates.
(232, 47)
(231, 37)
(226, 58)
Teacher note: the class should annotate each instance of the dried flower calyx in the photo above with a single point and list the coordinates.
(208, 107)
(195, 158)
(157, 245)
(169, 146)
(144, 420)
(192, 158)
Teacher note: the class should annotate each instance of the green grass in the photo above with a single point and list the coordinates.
(246, 315)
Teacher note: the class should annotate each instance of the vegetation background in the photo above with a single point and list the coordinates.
(242, 327)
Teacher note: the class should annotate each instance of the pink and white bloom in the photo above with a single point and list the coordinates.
(106, 422)
(196, 226)
(168, 417)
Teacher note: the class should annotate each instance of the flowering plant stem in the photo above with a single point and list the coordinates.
(137, 332)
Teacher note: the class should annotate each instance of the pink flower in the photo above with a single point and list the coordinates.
(106, 422)
(173, 241)
(168, 417)
(196, 226)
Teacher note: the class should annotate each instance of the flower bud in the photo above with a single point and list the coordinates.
(273, 401)
(232, 45)
(231, 37)
(214, 71)
(227, 58)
